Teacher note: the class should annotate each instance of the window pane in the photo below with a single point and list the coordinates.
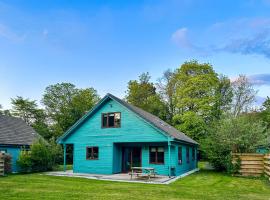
(111, 120)
(160, 157)
(187, 154)
(193, 153)
(117, 119)
(95, 153)
(104, 120)
(179, 155)
(153, 149)
(88, 153)
(152, 157)
(160, 149)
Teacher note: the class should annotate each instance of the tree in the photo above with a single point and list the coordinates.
(167, 88)
(224, 95)
(65, 104)
(143, 94)
(196, 86)
(24, 109)
(233, 134)
(243, 95)
(191, 124)
(265, 112)
(4, 112)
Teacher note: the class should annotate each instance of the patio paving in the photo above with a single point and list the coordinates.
(122, 177)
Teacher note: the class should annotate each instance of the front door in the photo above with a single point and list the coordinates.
(131, 158)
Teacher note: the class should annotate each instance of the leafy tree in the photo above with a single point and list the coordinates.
(167, 89)
(28, 111)
(233, 134)
(265, 112)
(224, 95)
(65, 104)
(196, 86)
(143, 94)
(243, 95)
(191, 124)
(24, 109)
(4, 112)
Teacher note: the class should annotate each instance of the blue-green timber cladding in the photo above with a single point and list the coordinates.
(134, 131)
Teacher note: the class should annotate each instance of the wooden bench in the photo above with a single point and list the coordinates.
(142, 171)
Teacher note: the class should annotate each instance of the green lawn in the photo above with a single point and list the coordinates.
(202, 185)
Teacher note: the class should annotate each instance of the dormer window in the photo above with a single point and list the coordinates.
(111, 120)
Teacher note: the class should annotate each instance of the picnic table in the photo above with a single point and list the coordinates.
(142, 171)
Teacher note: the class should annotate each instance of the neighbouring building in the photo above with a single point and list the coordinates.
(15, 135)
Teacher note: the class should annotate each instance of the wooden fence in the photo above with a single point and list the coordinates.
(2, 168)
(267, 165)
(252, 164)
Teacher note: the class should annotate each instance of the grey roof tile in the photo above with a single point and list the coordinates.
(14, 131)
(162, 125)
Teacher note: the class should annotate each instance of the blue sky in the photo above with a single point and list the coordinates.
(104, 44)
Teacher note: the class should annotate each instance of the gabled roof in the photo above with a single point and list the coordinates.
(14, 131)
(153, 120)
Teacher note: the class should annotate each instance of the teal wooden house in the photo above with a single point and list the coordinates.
(115, 136)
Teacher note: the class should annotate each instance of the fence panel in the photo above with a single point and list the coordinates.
(251, 164)
(2, 164)
(267, 165)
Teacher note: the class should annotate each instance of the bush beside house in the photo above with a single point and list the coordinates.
(41, 157)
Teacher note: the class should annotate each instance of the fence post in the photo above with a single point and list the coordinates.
(267, 165)
(2, 164)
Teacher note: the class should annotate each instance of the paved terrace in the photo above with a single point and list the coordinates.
(121, 177)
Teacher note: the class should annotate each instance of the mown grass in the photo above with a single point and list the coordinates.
(202, 185)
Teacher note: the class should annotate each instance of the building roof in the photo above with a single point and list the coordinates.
(14, 131)
(157, 122)
(152, 119)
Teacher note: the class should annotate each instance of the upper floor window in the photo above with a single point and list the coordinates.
(111, 120)
(91, 153)
(179, 155)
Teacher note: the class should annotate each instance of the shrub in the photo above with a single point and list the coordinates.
(41, 157)
(237, 135)
(24, 161)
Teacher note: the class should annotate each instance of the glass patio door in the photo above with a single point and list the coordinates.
(131, 158)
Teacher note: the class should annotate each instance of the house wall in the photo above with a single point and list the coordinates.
(184, 166)
(90, 133)
(14, 152)
(133, 131)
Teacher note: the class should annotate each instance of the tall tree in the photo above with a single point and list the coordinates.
(24, 108)
(28, 111)
(224, 94)
(265, 112)
(167, 88)
(196, 88)
(142, 93)
(243, 95)
(65, 104)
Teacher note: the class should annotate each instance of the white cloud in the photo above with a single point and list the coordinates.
(180, 38)
(5, 32)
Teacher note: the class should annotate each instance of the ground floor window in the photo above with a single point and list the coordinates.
(180, 155)
(187, 154)
(3, 151)
(91, 153)
(193, 153)
(156, 155)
